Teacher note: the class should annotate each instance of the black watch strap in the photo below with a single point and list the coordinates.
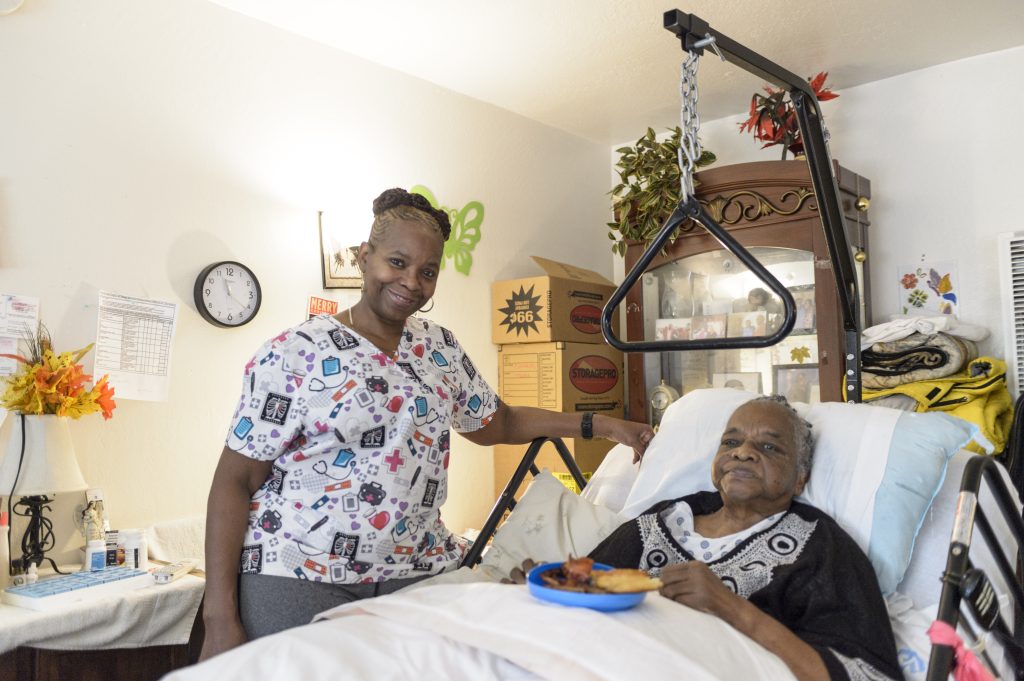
(587, 425)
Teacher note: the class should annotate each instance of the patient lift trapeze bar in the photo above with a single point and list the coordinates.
(695, 35)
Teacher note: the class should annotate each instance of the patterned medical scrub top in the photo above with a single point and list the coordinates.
(359, 442)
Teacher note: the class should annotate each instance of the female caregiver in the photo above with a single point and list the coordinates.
(329, 486)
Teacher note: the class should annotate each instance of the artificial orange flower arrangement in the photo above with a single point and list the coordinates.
(773, 118)
(55, 384)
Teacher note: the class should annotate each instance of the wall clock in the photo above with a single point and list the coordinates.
(227, 293)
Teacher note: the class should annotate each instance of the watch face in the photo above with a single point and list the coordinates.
(227, 294)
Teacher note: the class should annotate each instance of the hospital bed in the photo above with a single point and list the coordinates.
(891, 478)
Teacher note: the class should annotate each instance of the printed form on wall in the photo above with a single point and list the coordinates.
(19, 319)
(133, 345)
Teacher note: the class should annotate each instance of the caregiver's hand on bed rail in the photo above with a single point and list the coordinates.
(519, 425)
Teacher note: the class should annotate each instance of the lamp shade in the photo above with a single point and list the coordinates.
(48, 465)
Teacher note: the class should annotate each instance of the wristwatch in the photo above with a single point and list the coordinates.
(587, 425)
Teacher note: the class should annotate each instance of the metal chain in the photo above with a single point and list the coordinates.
(689, 144)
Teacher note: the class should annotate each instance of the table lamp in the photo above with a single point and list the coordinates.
(38, 461)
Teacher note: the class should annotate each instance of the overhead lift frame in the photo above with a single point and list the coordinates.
(695, 35)
(961, 583)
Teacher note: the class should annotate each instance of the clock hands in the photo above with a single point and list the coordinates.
(232, 295)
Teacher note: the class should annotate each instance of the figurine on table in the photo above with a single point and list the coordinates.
(92, 521)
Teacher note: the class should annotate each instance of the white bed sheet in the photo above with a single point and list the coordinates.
(497, 631)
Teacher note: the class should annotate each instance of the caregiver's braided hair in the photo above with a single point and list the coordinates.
(397, 204)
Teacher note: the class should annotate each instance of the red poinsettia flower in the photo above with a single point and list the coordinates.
(822, 93)
(773, 118)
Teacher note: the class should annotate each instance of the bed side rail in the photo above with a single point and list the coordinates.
(507, 500)
(960, 578)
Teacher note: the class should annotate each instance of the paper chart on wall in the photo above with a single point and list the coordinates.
(19, 318)
(133, 345)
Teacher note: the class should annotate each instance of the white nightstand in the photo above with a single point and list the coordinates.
(156, 618)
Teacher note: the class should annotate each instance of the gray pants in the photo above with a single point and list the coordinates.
(269, 604)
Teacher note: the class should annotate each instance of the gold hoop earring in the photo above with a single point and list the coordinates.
(428, 309)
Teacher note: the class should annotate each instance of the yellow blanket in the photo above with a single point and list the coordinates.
(977, 394)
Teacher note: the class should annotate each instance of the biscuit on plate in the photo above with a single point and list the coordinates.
(624, 581)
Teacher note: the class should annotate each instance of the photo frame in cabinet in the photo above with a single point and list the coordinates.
(795, 349)
(672, 329)
(708, 326)
(747, 324)
(805, 312)
(797, 382)
(744, 380)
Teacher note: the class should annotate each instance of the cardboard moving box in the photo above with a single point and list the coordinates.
(573, 377)
(563, 304)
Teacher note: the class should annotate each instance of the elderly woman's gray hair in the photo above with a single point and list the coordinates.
(802, 434)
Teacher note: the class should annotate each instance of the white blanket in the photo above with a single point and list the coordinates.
(497, 631)
(902, 326)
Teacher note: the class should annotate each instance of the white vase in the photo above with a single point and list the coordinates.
(47, 459)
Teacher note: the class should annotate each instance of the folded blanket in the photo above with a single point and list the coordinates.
(901, 327)
(977, 394)
(917, 357)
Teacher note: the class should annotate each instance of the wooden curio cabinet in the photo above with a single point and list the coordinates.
(699, 290)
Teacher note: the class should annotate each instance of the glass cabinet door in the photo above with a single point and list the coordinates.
(714, 295)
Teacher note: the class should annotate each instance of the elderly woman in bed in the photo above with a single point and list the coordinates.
(780, 571)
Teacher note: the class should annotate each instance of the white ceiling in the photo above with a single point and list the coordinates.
(606, 69)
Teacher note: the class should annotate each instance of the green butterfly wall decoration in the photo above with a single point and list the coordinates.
(465, 234)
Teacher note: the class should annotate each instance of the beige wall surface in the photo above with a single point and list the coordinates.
(144, 140)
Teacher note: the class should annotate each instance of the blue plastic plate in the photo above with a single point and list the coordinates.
(602, 602)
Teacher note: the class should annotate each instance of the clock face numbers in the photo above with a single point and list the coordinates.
(227, 294)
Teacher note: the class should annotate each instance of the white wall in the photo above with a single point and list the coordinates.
(943, 152)
(144, 140)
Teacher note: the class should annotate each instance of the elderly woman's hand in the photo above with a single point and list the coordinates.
(518, 574)
(695, 585)
(629, 433)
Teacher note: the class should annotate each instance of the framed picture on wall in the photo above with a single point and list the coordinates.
(797, 382)
(337, 260)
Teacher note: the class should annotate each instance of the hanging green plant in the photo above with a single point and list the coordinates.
(648, 188)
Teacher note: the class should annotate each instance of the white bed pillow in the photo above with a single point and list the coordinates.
(549, 523)
(869, 462)
(611, 483)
